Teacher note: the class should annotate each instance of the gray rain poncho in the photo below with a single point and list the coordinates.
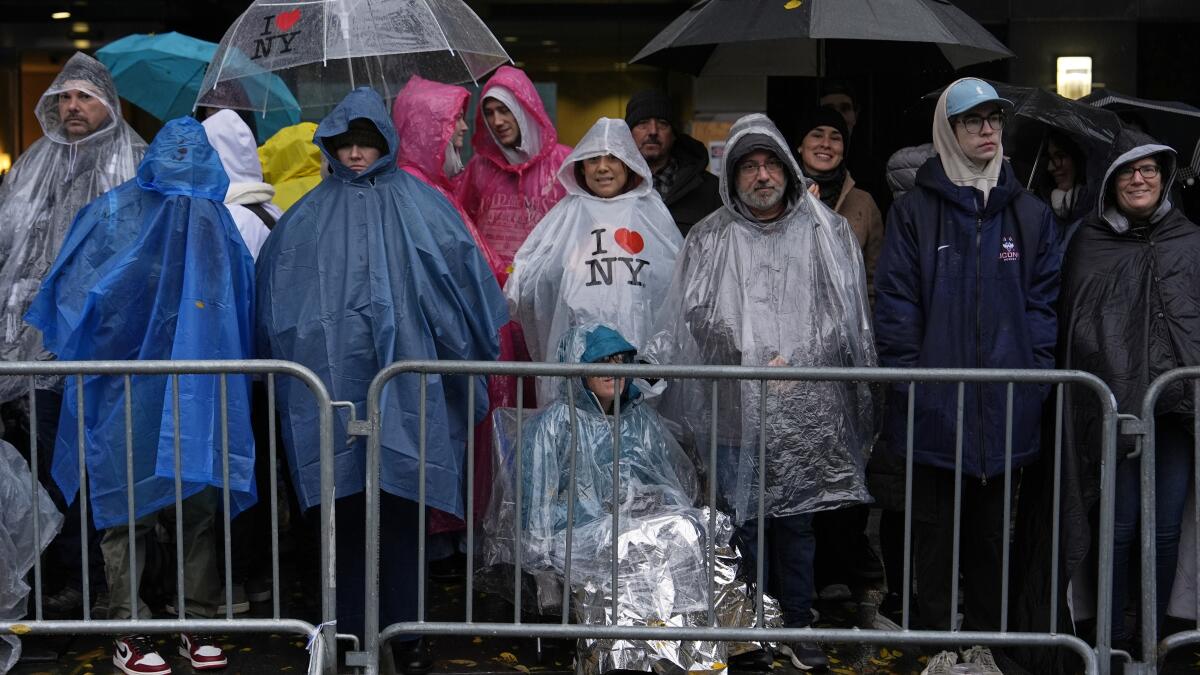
(592, 259)
(39, 198)
(17, 546)
(663, 538)
(791, 291)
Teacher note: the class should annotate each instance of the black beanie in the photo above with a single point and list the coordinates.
(823, 116)
(646, 104)
(361, 132)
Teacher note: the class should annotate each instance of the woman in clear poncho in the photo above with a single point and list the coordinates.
(603, 254)
(663, 538)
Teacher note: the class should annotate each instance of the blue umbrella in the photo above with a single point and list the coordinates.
(162, 75)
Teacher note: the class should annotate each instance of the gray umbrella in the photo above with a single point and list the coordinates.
(785, 37)
(321, 49)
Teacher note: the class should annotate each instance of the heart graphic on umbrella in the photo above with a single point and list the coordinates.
(629, 240)
(285, 20)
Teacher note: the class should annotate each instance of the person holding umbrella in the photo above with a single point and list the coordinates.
(408, 282)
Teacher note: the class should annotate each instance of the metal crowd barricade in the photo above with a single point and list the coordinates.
(1154, 652)
(323, 634)
(1095, 659)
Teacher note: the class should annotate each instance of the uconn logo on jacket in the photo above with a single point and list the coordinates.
(1008, 250)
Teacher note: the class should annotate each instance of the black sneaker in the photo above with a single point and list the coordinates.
(805, 656)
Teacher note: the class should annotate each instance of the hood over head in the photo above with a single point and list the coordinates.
(290, 153)
(1131, 146)
(513, 88)
(366, 104)
(607, 137)
(84, 73)
(234, 143)
(959, 169)
(589, 343)
(181, 161)
(424, 114)
(750, 133)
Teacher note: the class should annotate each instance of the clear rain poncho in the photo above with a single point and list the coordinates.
(595, 260)
(663, 539)
(791, 291)
(17, 546)
(39, 198)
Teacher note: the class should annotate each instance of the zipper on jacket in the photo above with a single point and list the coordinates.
(979, 337)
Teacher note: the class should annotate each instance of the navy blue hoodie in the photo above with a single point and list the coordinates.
(963, 287)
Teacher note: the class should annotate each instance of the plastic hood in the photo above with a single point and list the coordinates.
(82, 73)
(424, 114)
(517, 82)
(747, 132)
(180, 161)
(607, 137)
(362, 103)
(235, 146)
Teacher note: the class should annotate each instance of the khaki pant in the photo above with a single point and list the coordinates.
(201, 583)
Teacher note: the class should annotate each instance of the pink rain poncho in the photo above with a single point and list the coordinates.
(508, 199)
(425, 113)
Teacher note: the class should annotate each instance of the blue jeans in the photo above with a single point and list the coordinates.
(1173, 478)
(789, 548)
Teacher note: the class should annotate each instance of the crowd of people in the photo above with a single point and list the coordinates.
(366, 239)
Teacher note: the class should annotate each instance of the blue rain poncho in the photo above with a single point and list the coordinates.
(154, 269)
(368, 269)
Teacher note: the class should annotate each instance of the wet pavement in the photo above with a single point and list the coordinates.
(261, 654)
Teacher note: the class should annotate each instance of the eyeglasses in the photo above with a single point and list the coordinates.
(1148, 171)
(625, 357)
(773, 166)
(974, 123)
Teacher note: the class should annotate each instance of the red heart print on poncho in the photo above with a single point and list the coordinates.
(285, 20)
(629, 240)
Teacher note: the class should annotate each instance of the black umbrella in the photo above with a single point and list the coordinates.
(1037, 111)
(784, 37)
(1173, 123)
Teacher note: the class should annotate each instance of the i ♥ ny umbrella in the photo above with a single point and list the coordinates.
(323, 49)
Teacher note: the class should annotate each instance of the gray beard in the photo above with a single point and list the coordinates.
(750, 198)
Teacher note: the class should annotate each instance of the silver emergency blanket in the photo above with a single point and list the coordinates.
(595, 260)
(39, 198)
(18, 549)
(662, 538)
(787, 292)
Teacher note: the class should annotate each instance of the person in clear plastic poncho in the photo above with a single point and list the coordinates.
(775, 278)
(663, 538)
(605, 253)
(87, 150)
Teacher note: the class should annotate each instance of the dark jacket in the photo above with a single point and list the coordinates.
(957, 287)
(1117, 278)
(694, 193)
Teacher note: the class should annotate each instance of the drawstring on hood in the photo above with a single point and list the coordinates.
(531, 138)
(959, 168)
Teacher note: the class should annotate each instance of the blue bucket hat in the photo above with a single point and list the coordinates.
(970, 92)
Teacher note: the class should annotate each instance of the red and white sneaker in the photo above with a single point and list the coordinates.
(202, 651)
(136, 655)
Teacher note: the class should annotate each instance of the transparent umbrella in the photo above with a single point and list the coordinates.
(322, 49)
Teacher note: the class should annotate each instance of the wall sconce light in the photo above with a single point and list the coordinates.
(1074, 76)
(5, 162)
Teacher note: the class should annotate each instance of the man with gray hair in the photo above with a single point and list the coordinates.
(773, 278)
